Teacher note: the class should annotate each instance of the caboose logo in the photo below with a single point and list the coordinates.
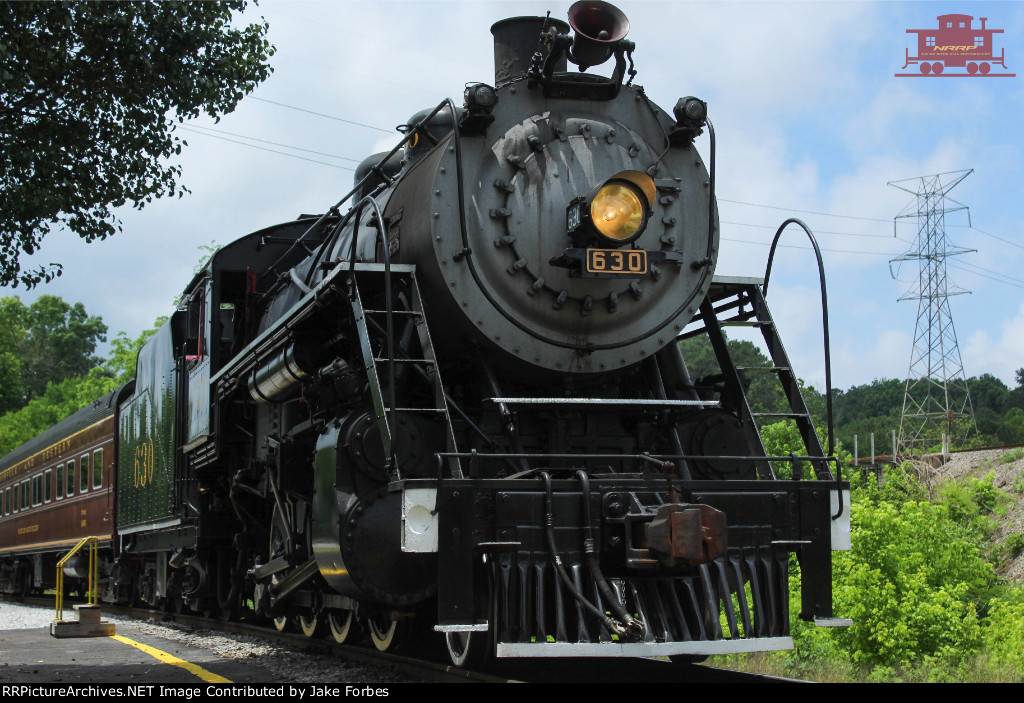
(956, 48)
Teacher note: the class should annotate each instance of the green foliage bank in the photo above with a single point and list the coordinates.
(921, 587)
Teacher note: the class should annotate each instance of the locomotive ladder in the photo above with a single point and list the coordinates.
(410, 373)
(726, 296)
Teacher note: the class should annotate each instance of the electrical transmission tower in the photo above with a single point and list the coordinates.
(936, 400)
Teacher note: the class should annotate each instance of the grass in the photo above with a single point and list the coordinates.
(978, 669)
(1012, 456)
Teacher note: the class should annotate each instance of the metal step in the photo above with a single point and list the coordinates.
(409, 313)
(606, 401)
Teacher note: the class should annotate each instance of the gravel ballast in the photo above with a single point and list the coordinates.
(282, 663)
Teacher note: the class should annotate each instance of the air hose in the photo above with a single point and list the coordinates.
(635, 627)
(626, 626)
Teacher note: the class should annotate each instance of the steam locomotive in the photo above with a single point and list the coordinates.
(455, 403)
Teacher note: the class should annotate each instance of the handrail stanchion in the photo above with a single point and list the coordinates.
(93, 588)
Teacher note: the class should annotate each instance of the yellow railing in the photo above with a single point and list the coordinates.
(93, 591)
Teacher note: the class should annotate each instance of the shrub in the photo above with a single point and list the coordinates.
(911, 583)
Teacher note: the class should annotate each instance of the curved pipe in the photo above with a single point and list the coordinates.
(824, 323)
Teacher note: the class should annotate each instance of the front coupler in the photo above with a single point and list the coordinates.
(703, 566)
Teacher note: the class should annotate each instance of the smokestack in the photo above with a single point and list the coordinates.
(983, 20)
(515, 41)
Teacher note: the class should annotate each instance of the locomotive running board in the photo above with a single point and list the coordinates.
(641, 649)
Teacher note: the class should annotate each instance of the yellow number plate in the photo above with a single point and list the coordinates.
(617, 262)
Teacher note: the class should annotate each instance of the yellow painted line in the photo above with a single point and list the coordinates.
(207, 676)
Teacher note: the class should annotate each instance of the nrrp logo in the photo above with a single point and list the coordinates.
(956, 48)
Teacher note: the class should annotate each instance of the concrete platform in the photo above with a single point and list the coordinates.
(34, 657)
(88, 624)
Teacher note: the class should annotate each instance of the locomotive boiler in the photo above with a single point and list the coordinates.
(455, 402)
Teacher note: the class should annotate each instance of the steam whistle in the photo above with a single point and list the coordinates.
(599, 27)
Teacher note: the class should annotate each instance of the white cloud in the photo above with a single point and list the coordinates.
(1000, 355)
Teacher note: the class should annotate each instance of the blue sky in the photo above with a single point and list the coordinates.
(809, 119)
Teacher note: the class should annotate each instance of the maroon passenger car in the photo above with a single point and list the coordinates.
(54, 490)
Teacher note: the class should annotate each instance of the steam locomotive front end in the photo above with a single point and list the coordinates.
(566, 225)
(595, 503)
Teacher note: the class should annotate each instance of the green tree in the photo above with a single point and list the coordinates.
(869, 408)
(987, 391)
(1016, 397)
(764, 392)
(1011, 429)
(90, 92)
(60, 343)
(59, 400)
(124, 352)
(50, 340)
(879, 398)
(62, 397)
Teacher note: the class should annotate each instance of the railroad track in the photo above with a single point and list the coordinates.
(420, 666)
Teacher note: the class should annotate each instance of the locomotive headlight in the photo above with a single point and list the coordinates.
(615, 211)
(618, 212)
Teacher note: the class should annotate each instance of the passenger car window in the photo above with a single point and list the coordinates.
(97, 468)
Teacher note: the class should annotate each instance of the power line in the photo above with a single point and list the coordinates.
(971, 268)
(981, 275)
(998, 237)
(267, 141)
(853, 217)
(797, 246)
(320, 114)
(435, 95)
(349, 32)
(816, 231)
(263, 148)
(806, 212)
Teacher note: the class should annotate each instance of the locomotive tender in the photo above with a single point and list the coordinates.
(461, 401)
